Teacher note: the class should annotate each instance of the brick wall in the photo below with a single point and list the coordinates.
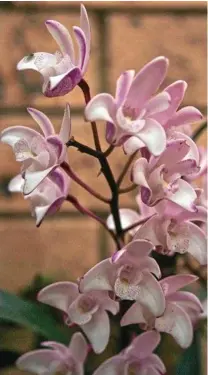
(124, 35)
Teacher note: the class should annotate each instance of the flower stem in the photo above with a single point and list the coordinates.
(128, 189)
(70, 198)
(125, 169)
(74, 177)
(199, 131)
(86, 91)
(109, 150)
(140, 222)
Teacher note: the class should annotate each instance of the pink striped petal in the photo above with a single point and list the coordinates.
(177, 323)
(42, 120)
(171, 284)
(59, 295)
(62, 37)
(147, 82)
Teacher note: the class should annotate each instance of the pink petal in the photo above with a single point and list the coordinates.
(186, 300)
(37, 361)
(100, 277)
(151, 265)
(105, 302)
(173, 283)
(154, 361)
(186, 167)
(101, 107)
(133, 315)
(81, 41)
(176, 91)
(77, 314)
(85, 26)
(184, 116)
(127, 217)
(140, 172)
(65, 130)
(147, 82)
(153, 136)
(134, 251)
(111, 366)
(60, 178)
(132, 144)
(98, 331)
(33, 179)
(62, 84)
(59, 295)
(16, 184)
(197, 244)
(158, 103)
(55, 345)
(13, 134)
(175, 151)
(144, 344)
(185, 196)
(176, 322)
(78, 347)
(58, 148)
(193, 152)
(149, 231)
(199, 215)
(123, 85)
(151, 294)
(37, 61)
(41, 212)
(42, 120)
(62, 37)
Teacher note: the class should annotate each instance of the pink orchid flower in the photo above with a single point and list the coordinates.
(171, 119)
(129, 275)
(39, 154)
(48, 197)
(62, 71)
(137, 358)
(88, 310)
(181, 308)
(132, 111)
(171, 230)
(57, 358)
(160, 178)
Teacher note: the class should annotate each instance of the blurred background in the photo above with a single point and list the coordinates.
(125, 35)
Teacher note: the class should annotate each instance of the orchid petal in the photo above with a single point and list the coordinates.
(101, 107)
(123, 85)
(176, 91)
(127, 218)
(171, 284)
(146, 82)
(13, 134)
(152, 266)
(37, 361)
(111, 366)
(78, 315)
(176, 322)
(148, 231)
(81, 41)
(61, 179)
(153, 136)
(33, 179)
(140, 172)
(154, 361)
(98, 331)
(151, 294)
(100, 277)
(185, 195)
(78, 347)
(59, 295)
(186, 300)
(193, 152)
(55, 345)
(42, 120)
(37, 61)
(144, 344)
(175, 151)
(132, 144)
(65, 130)
(158, 103)
(16, 184)
(133, 315)
(85, 26)
(197, 244)
(184, 116)
(134, 250)
(41, 212)
(62, 37)
(61, 84)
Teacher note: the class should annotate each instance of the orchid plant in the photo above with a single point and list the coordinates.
(165, 164)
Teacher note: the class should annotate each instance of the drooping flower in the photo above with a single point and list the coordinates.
(171, 119)
(137, 358)
(172, 230)
(57, 358)
(160, 178)
(39, 154)
(62, 71)
(88, 310)
(181, 309)
(132, 111)
(129, 275)
(49, 195)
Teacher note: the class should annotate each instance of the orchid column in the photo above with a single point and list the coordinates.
(170, 210)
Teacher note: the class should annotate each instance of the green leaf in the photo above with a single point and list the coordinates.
(32, 315)
(189, 362)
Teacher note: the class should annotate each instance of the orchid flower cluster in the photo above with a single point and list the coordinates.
(171, 210)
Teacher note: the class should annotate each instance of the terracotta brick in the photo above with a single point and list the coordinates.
(133, 40)
(22, 34)
(56, 249)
